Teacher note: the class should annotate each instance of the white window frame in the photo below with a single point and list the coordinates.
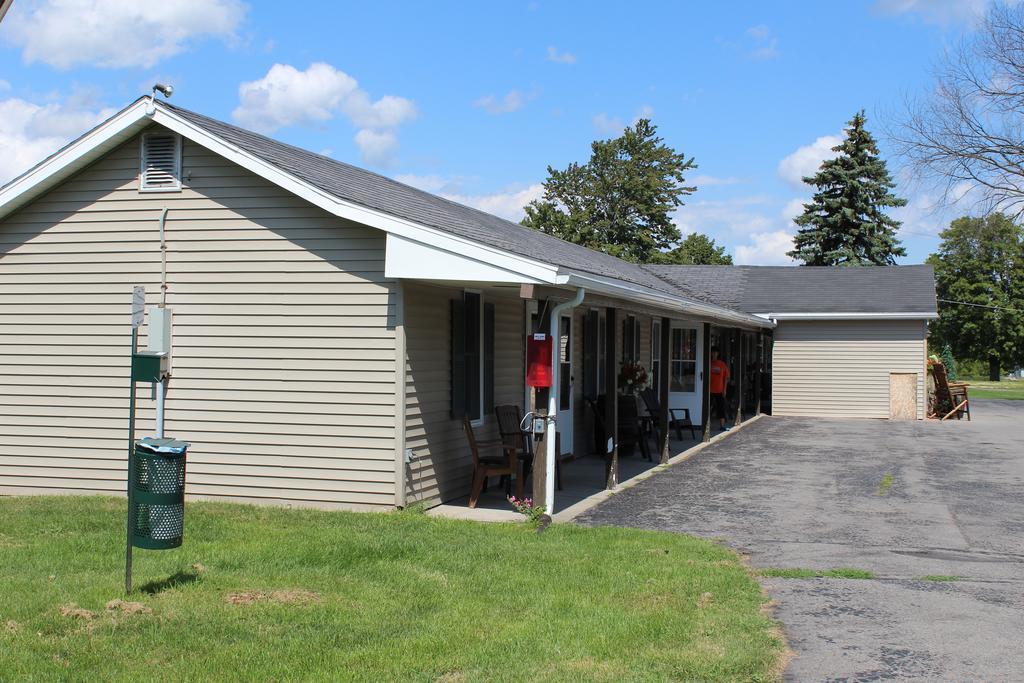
(178, 162)
(679, 361)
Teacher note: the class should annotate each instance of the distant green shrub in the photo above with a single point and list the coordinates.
(972, 369)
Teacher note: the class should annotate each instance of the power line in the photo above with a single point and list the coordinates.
(966, 303)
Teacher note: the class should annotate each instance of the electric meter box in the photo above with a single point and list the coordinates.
(160, 331)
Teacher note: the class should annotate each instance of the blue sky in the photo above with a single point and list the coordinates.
(474, 100)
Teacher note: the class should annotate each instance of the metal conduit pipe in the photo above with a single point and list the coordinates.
(161, 386)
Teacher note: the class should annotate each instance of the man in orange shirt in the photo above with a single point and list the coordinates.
(718, 381)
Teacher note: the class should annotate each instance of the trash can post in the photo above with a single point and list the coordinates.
(131, 450)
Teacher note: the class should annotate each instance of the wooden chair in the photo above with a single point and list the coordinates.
(676, 422)
(952, 396)
(510, 427)
(506, 464)
(630, 428)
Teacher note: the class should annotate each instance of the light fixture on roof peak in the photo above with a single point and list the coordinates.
(165, 90)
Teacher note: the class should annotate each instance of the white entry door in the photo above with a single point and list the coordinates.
(566, 401)
(686, 354)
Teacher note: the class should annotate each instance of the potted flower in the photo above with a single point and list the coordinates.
(632, 378)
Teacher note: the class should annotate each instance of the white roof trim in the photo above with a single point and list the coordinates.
(412, 260)
(634, 292)
(137, 116)
(343, 209)
(73, 157)
(848, 316)
(134, 118)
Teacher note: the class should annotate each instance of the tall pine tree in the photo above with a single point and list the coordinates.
(845, 223)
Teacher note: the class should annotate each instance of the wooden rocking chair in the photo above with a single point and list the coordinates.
(507, 464)
(950, 394)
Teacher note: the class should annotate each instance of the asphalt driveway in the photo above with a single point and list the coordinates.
(812, 493)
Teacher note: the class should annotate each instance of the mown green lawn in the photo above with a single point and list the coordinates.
(1009, 389)
(271, 594)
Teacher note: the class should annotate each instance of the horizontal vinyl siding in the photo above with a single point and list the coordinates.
(441, 468)
(283, 361)
(841, 368)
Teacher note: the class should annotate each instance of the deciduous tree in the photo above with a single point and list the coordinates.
(980, 267)
(698, 250)
(621, 200)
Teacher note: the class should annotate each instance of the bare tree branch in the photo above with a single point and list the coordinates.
(969, 130)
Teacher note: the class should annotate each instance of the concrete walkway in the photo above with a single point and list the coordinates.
(811, 493)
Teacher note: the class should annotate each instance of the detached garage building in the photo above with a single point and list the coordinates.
(849, 342)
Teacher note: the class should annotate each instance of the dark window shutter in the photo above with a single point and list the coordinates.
(458, 358)
(488, 358)
(590, 323)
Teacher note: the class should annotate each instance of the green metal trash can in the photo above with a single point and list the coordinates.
(158, 493)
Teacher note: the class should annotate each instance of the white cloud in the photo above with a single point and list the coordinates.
(377, 147)
(759, 32)
(739, 216)
(433, 183)
(806, 160)
(560, 57)
(710, 180)
(766, 249)
(765, 44)
(644, 112)
(762, 232)
(937, 11)
(508, 204)
(794, 207)
(387, 112)
(607, 125)
(287, 97)
(30, 132)
(513, 100)
(928, 213)
(115, 33)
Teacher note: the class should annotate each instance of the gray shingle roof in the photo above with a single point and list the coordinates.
(374, 191)
(808, 289)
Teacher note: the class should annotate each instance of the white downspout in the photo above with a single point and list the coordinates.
(549, 478)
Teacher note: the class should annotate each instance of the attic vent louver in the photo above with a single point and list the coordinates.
(161, 163)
